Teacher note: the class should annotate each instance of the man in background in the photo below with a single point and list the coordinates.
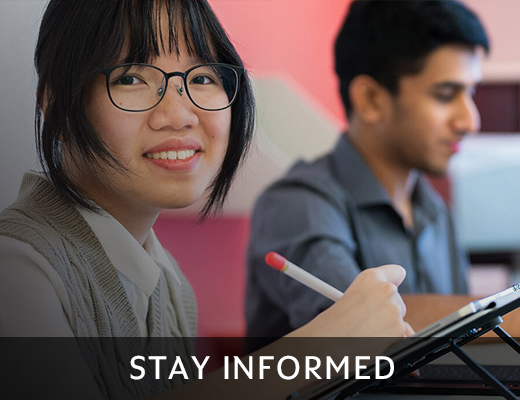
(407, 72)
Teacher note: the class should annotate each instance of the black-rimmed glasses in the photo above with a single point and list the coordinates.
(140, 87)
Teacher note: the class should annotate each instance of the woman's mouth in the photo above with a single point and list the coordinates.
(171, 155)
(174, 160)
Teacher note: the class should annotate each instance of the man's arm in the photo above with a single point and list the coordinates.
(309, 231)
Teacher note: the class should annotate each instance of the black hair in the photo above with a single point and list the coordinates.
(77, 38)
(388, 39)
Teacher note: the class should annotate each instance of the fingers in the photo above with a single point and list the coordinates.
(387, 278)
(382, 284)
(391, 273)
(408, 330)
(373, 300)
(397, 299)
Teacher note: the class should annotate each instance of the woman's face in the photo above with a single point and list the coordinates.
(140, 140)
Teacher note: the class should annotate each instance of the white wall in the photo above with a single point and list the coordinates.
(501, 19)
(19, 21)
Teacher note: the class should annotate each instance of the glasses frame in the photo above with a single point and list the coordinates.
(239, 71)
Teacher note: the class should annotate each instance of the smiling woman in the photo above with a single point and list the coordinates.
(149, 119)
(78, 254)
(120, 139)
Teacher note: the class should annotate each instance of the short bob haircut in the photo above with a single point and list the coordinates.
(388, 39)
(78, 38)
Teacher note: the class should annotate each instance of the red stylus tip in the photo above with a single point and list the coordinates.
(275, 260)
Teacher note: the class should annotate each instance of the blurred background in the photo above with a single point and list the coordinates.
(287, 47)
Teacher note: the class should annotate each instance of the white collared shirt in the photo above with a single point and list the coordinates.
(33, 298)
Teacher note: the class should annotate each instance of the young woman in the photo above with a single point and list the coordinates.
(141, 106)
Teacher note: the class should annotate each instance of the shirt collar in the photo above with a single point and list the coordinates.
(138, 263)
(426, 198)
(155, 249)
(356, 176)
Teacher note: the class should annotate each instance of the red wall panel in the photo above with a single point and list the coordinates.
(291, 38)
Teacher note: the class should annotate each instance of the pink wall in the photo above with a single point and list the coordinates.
(212, 256)
(288, 38)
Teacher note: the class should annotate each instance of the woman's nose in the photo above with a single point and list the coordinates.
(175, 110)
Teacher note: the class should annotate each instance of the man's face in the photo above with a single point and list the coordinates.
(434, 109)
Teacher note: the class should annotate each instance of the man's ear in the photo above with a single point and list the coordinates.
(369, 99)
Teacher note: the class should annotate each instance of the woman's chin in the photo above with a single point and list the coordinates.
(191, 204)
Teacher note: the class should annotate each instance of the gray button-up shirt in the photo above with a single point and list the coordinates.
(333, 218)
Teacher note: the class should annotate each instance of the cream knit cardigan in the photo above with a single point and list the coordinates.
(102, 318)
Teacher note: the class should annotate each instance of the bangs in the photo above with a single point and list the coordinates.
(158, 26)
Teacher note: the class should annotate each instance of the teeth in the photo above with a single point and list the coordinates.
(171, 155)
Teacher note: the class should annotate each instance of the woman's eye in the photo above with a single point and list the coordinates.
(128, 80)
(202, 80)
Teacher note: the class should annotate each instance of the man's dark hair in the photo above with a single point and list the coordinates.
(78, 38)
(389, 39)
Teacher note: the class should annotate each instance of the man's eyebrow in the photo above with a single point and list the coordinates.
(455, 85)
(449, 85)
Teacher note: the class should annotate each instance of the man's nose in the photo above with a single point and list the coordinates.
(467, 119)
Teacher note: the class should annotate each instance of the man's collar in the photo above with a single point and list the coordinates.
(354, 174)
(358, 179)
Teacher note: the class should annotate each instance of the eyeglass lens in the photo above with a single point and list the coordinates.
(141, 87)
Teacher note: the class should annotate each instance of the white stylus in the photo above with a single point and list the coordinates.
(280, 263)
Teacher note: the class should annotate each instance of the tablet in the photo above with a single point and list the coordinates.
(501, 297)
(460, 327)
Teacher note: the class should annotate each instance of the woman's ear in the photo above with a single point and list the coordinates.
(42, 102)
(369, 99)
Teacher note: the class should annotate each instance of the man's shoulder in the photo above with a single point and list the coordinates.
(316, 175)
(307, 182)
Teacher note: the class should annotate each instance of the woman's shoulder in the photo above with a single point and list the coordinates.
(34, 298)
(40, 215)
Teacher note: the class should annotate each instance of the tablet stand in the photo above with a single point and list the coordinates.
(434, 348)
(455, 348)
(500, 388)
